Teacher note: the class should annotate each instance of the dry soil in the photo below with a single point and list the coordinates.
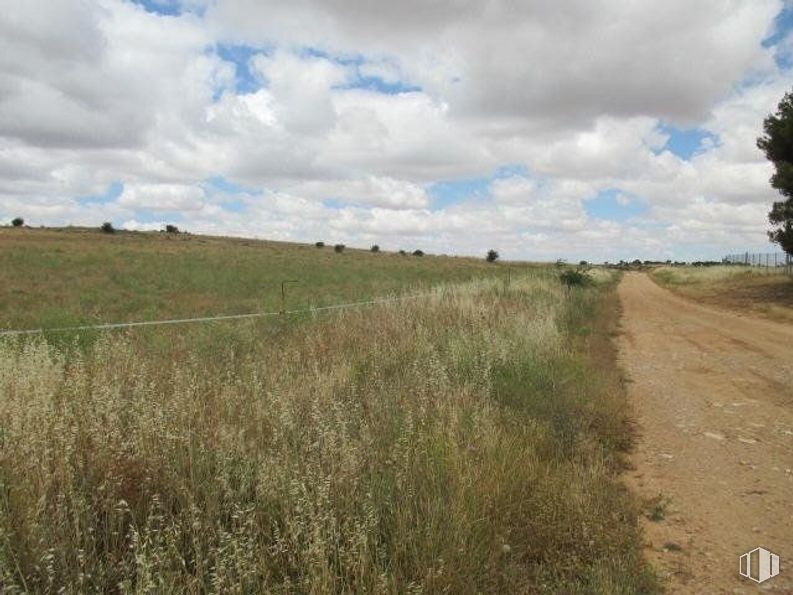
(712, 392)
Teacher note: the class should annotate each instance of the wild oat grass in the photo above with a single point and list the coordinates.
(456, 444)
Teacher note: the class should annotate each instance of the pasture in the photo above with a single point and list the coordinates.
(470, 441)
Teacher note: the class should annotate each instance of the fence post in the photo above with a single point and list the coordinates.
(283, 295)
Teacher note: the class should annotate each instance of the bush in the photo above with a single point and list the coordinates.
(375, 248)
(171, 229)
(339, 248)
(575, 277)
(402, 252)
(418, 253)
(107, 227)
(492, 256)
(18, 222)
(319, 244)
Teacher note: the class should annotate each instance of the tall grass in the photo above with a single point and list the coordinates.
(458, 444)
(710, 275)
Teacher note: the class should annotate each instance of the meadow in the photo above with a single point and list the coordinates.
(766, 292)
(65, 277)
(466, 442)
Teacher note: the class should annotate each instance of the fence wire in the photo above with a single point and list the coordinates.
(119, 325)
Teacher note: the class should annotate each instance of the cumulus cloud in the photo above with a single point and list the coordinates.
(352, 112)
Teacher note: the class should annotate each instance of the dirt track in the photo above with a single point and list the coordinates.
(713, 397)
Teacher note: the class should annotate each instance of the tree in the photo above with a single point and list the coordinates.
(319, 244)
(375, 248)
(339, 248)
(171, 229)
(777, 144)
(418, 252)
(492, 256)
(107, 227)
(18, 222)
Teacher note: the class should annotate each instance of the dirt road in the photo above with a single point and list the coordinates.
(712, 393)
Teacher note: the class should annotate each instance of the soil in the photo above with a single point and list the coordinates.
(712, 393)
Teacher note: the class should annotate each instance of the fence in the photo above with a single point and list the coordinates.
(772, 260)
(282, 312)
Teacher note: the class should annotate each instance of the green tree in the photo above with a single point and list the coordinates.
(18, 222)
(492, 256)
(777, 144)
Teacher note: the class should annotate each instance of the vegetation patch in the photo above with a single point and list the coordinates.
(466, 442)
(762, 291)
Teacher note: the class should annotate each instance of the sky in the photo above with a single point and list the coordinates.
(585, 129)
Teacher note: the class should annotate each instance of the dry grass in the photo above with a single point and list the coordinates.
(760, 291)
(459, 444)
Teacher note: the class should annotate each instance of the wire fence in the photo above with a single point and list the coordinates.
(778, 261)
(120, 325)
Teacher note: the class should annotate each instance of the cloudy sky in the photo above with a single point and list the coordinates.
(597, 129)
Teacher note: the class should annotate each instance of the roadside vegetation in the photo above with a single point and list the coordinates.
(756, 290)
(466, 442)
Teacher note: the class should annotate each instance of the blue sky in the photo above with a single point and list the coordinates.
(561, 113)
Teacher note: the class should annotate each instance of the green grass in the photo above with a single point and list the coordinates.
(67, 277)
(464, 443)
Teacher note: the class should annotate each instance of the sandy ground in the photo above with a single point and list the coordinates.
(712, 393)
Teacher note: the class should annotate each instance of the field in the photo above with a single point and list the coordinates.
(467, 442)
(66, 277)
(753, 290)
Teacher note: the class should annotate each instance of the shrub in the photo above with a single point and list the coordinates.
(584, 263)
(339, 248)
(402, 252)
(18, 222)
(418, 253)
(375, 248)
(171, 229)
(492, 256)
(107, 227)
(319, 244)
(575, 277)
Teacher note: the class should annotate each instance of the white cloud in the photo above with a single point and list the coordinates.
(162, 197)
(93, 93)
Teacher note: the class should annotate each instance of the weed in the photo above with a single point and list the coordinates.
(656, 508)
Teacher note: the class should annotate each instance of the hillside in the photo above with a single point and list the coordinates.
(62, 277)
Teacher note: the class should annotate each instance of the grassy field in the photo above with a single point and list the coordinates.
(753, 290)
(66, 277)
(467, 442)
